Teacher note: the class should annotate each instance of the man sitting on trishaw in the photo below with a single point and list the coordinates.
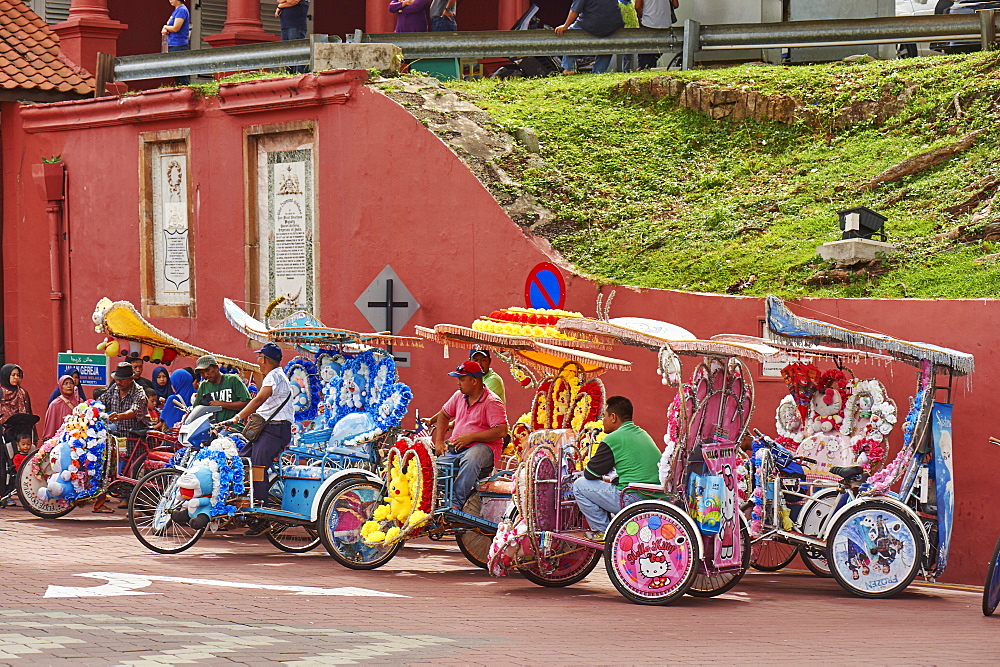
(476, 441)
(628, 451)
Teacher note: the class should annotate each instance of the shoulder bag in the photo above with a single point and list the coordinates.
(256, 422)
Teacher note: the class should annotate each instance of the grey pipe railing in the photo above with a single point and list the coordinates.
(695, 37)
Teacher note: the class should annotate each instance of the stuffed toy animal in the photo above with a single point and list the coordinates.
(197, 487)
(62, 466)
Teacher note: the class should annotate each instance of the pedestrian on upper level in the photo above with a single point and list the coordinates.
(598, 17)
(412, 15)
(294, 15)
(658, 14)
(178, 32)
(443, 16)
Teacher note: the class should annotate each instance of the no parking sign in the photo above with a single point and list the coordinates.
(545, 287)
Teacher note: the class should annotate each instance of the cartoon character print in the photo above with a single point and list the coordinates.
(350, 392)
(886, 548)
(727, 534)
(857, 560)
(655, 566)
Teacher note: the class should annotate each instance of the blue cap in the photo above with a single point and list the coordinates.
(478, 350)
(271, 351)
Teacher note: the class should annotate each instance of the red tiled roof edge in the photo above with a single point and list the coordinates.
(47, 69)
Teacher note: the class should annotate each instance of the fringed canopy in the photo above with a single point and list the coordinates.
(308, 331)
(120, 319)
(542, 355)
(654, 335)
(784, 325)
(797, 349)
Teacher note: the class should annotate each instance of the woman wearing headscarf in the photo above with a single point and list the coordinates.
(75, 376)
(173, 411)
(14, 398)
(60, 407)
(161, 384)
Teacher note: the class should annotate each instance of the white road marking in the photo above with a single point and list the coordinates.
(124, 584)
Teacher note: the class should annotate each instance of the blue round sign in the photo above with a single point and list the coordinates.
(545, 287)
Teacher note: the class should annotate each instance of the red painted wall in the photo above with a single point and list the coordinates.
(392, 193)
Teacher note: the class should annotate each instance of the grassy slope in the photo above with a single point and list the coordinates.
(652, 195)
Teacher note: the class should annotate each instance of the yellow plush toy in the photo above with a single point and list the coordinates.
(400, 501)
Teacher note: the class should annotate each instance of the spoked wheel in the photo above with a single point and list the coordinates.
(651, 553)
(991, 591)
(815, 517)
(345, 509)
(771, 555)
(875, 549)
(155, 496)
(568, 564)
(28, 486)
(710, 585)
(474, 545)
(293, 539)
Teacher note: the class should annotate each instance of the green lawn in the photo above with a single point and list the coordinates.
(650, 194)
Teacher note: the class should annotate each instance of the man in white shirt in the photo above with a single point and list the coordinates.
(657, 14)
(272, 402)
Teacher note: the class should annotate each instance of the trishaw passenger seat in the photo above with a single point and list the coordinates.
(849, 473)
(137, 433)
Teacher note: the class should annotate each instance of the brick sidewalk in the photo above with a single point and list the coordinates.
(453, 612)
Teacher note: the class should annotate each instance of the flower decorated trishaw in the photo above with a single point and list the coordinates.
(84, 461)
(348, 405)
(873, 540)
(367, 523)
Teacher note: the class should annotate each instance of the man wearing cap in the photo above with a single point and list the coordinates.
(477, 436)
(216, 389)
(272, 402)
(125, 402)
(491, 379)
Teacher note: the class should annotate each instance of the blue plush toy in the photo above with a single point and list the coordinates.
(198, 487)
(62, 464)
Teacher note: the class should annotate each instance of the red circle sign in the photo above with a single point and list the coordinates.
(545, 287)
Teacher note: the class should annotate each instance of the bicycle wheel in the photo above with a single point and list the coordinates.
(651, 554)
(875, 549)
(991, 590)
(291, 538)
(345, 509)
(27, 491)
(474, 545)
(815, 517)
(710, 585)
(771, 555)
(155, 496)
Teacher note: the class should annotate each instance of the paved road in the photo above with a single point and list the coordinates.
(452, 613)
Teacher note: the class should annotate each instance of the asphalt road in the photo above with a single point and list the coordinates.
(232, 599)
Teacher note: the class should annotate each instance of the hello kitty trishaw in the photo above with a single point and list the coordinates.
(366, 523)
(348, 406)
(690, 536)
(875, 540)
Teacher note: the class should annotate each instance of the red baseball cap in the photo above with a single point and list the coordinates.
(468, 368)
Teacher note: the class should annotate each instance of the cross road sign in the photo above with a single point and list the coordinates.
(388, 305)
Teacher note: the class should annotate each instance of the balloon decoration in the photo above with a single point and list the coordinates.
(114, 347)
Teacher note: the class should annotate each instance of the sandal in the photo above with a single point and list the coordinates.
(102, 509)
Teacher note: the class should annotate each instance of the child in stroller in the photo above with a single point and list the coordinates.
(17, 441)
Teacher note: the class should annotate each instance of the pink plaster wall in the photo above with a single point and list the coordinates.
(390, 192)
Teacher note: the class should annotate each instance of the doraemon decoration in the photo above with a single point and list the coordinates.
(215, 475)
(61, 464)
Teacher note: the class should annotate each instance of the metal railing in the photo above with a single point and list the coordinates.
(692, 38)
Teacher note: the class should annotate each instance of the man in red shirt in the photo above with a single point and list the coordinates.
(476, 440)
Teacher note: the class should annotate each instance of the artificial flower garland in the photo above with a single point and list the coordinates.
(881, 481)
(801, 380)
(311, 387)
(881, 415)
(84, 432)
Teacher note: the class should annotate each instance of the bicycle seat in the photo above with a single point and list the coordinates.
(847, 473)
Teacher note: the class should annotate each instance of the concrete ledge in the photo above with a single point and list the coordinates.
(384, 57)
(848, 252)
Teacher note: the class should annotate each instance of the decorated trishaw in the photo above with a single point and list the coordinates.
(348, 404)
(84, 461)
(367, 523)
(875, 540)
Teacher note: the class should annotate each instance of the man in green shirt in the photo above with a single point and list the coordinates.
(225, 391)
(631, 453)
(491, 379)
